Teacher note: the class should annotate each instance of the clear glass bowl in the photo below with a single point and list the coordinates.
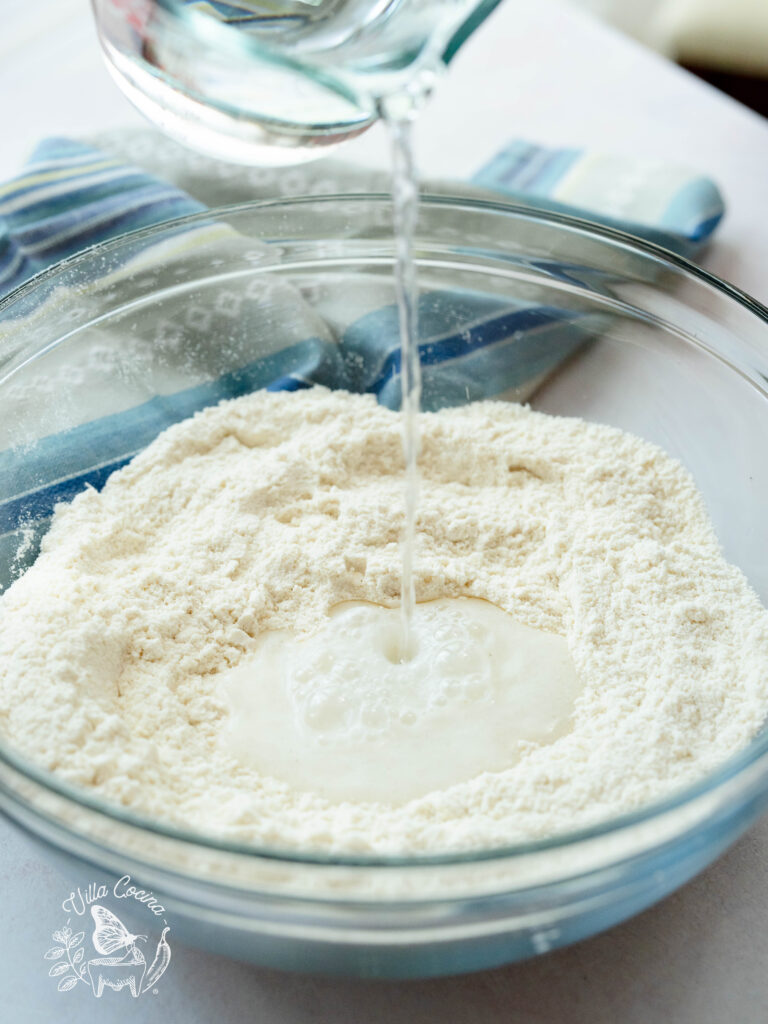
(674, 355)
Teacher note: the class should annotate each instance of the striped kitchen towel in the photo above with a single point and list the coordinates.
(100, 408)
(661, 202)
(72, 195)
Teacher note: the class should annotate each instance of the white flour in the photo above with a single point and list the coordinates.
(266, 511)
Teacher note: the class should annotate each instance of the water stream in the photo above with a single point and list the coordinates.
(405, 201)
(385, 705)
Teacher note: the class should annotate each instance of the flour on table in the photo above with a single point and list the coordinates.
(267, 511)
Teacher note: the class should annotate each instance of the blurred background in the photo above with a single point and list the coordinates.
(725, 42)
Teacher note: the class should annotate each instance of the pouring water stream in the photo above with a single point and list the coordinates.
(405, 199)
(364, 709)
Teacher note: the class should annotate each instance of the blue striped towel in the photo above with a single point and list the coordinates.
(472, 345)
(71, 196)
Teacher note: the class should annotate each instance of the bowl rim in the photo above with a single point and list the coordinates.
(475, 197)
(727, 771)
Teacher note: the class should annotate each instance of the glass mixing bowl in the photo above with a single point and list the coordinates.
(105, 350)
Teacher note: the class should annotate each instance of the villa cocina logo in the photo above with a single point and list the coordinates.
(119, 962)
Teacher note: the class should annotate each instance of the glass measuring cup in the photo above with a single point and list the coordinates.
(277, 81)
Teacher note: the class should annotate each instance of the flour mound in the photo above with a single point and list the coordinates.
(264, 512)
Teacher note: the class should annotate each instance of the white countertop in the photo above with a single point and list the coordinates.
(542, 71)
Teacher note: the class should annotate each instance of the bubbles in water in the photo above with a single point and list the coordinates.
(335, 715)
(324, 713)
(456, 661)
(374, 716)
(478, 631)
(476, 688)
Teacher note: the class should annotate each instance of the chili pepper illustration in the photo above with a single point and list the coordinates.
(159, 964)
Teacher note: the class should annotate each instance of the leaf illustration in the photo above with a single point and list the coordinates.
(78, 956)
(66, 984)
(54, 953)
(58, 969)
(66, 932)
(76, 940)
(58, 937)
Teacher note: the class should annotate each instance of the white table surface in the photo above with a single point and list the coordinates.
(538, 70)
